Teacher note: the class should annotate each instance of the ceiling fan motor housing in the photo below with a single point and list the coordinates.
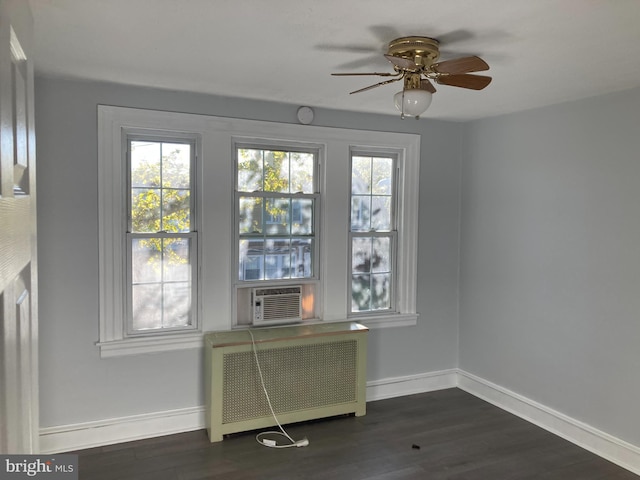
(422, 50)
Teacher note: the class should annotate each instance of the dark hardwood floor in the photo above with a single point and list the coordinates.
(447, 434)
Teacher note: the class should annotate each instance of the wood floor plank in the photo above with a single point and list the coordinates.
(448, 434)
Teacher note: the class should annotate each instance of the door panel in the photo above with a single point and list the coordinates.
(19, 419)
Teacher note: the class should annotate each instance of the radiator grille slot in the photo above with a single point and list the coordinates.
(297, 378)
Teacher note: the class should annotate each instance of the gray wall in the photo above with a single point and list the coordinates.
(75, 384)
(550, 258)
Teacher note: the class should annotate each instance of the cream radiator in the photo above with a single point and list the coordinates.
(310, 371)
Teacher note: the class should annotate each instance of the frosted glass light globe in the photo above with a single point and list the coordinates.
(412, 102)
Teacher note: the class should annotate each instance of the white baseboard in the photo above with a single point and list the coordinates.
(66, 438)
(596, 441)
(411, 384)
(79, 436)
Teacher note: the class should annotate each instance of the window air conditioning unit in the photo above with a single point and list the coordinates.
(272, 305)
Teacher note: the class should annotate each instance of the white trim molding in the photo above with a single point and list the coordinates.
(596, 441)
(385, 321)
(410, 384)
(67, 438)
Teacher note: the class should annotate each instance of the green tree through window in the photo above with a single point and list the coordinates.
(160, 234)
(276, 198)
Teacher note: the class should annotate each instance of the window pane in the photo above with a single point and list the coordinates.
(176, 263)
(381, 254)
(301, 264)
(381, 176)
(380, 288)
(249, 170)
(302, 217)
(360, 213)
(302, 167)
(176, 305)
(251, 253)
(147, 306)
(176, 210)
(276, 171)
(250, 215)
(360, 293)
(145, 210)
(253, 268)
(277, 258)
(176, 165)
(276, 216)
(161, 282)
(370, 292)
(167, 168)
(361, 254)
(158, 306)
(146, 260)
(145, 164)
(361, 175)
(380, 213)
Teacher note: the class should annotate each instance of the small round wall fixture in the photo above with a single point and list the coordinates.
(305, 115)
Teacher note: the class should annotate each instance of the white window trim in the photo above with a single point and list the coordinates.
(406, 223)
(216, 269)
(392, 234)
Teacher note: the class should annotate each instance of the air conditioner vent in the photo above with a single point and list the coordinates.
(276, 304)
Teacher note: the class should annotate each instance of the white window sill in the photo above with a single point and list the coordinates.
(166, 343)
(152, 344)
(387, 321)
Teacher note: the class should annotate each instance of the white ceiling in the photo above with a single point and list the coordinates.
(540, 51)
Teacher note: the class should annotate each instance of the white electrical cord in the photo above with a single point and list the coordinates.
(267, 442)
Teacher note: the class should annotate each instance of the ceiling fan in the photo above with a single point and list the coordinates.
(415, 61)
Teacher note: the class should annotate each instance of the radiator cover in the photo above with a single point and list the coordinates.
(310, 371)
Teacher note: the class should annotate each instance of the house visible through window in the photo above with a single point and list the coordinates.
(161, 235)
(276, 203)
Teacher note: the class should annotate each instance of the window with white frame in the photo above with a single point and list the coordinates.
(161, 239)
(276, 201)
(195, 211)
(373, 233)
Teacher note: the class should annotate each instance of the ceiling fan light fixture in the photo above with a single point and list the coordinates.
(415, 60)
(413, 102)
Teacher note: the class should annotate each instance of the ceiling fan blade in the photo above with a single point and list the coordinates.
(403, 63)
(473, 82)
(461, 65)
(427, 85)
(376, 85)
(385, 74)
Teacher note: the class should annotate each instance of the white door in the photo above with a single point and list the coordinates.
(18, 273)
